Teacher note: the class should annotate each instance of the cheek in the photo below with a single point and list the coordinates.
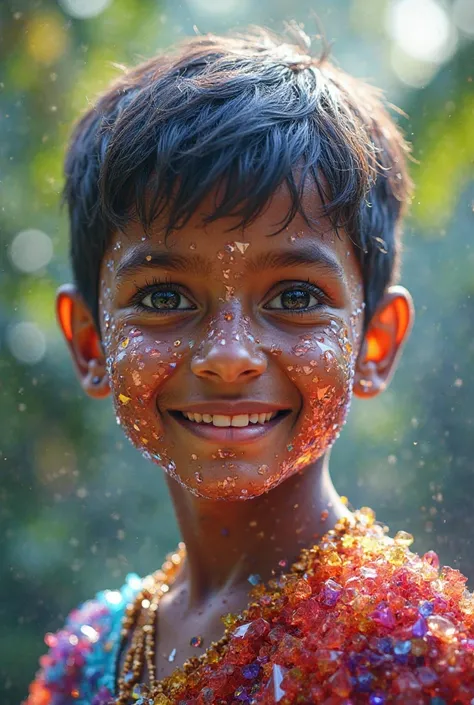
(138, 365)
(321, 366)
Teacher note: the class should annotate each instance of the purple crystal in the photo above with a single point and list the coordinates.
(420, 628)
(426, 609)
(384, 617)
(364, 681)
(251, 670)
(331, 592)
(241, 694)
(377, 699)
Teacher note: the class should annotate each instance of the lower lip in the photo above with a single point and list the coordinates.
(229, 434)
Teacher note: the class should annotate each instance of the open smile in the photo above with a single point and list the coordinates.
(233, 428)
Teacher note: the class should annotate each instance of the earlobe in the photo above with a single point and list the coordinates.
(386, 334)
(83, 340)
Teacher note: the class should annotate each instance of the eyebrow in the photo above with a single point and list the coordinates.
(139, 260)
(309, 255)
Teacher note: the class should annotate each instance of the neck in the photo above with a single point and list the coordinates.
(226, 542)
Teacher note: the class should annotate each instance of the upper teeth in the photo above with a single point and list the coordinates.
(222, 420)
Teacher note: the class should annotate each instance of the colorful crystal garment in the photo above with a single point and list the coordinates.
(80, 665)
(359, 620)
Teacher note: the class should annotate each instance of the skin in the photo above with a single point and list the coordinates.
(244, 506)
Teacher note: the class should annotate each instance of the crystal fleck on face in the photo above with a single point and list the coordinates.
(231, 353)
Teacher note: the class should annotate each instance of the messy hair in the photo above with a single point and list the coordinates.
(239, 116)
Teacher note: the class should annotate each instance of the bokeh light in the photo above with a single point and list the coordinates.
(83, 9)
(463, 15)
(26, 342)
(218, 7)
(31, 250)
(422, 29)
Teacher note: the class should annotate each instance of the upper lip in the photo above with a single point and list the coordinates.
(229, 408)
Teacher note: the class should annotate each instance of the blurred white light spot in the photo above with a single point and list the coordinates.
(463, 15)
(83, 9)
(26, 342)
(91, 633)
(219, 7)
(412, 72)
(31, 250)
(422, 29)
(113, 596)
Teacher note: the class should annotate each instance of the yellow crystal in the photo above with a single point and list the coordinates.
(403, 538)
(396, 555)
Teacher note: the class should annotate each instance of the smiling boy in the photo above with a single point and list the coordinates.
(235, 224)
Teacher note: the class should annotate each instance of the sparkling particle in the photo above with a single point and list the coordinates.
(198, 476)
(124, 399)
(172, 656)
(242, 246)
(196, 641)
(254, 579)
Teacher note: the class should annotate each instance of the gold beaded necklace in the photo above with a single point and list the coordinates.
(140, 623)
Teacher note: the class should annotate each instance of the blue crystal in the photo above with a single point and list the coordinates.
(364, 681)
(402, 647)
(425, 609)
(385, 645)
(251, 670)
(377, 699)
(254, 579)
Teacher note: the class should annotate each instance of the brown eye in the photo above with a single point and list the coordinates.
(166, 300)
(294, 299)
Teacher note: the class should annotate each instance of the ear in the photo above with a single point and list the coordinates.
(383, 342)
(83, 340)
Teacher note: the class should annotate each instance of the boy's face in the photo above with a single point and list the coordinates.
(232, 355)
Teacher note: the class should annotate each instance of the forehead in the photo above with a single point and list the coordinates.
(200, 247)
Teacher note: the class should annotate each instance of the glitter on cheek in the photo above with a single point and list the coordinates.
(323, 371)
(138, 366)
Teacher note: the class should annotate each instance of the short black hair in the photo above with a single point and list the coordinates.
(245, 113)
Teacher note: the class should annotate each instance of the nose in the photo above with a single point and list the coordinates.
(233, 361)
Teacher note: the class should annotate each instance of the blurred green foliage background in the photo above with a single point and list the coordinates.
(79, 507)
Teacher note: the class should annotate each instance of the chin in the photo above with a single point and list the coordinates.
(228, 481)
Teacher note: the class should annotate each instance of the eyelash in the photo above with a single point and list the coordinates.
(156, 283)
(308, 286)
(151, 286)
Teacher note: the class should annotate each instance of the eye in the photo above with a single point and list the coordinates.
(297, 298)
(166, 299)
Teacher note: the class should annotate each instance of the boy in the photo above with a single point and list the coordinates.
(235, 225)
